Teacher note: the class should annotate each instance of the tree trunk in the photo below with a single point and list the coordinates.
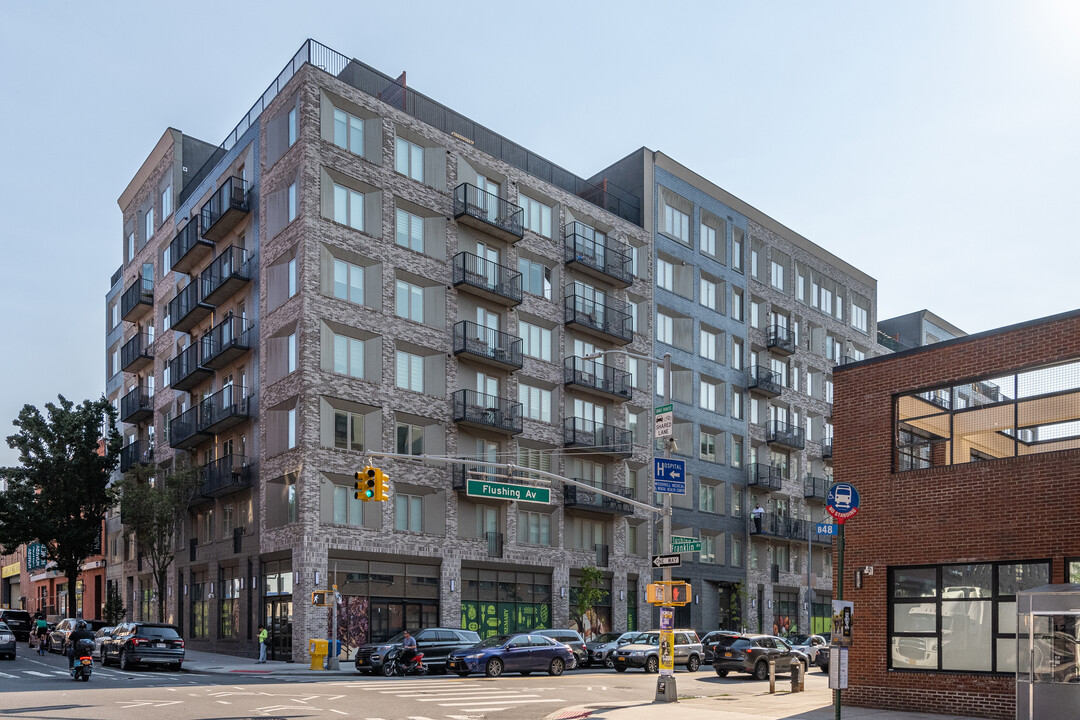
(161, 579)
(72, 605)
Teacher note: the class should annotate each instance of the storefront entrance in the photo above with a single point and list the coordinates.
(277, 617)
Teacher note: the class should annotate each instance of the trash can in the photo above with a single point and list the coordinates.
(330, 647)
(318, 649)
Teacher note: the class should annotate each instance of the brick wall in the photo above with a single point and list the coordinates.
(1006, 509)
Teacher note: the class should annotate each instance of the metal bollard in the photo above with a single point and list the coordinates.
(772, 677)
(796, 673)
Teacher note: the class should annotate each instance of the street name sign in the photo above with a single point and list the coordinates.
(665, 421)
(669, 476)
(826, 528)
(660, 561)
(681, 544)
(506, 491)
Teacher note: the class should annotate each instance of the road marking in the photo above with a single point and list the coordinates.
(35, 672)
(339, 712)
(223, 702)
(418, 717)
(485, 709)
(503, 702)
(3, 674)
(479, 698)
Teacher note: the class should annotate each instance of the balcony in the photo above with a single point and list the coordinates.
(781, 340)
(487, 345)
(581, 499)
(227, 407)
(185, 370)
(603, 317)
(224, 209)
(133, 454)
(187, 309)
(781, 527)
(826, 448)
(135, 353)
(184, 430)
(494, 544)
(137, 405)
(764, 476)
(763, 381)
(226, 342)
(586, 434)
(591, 376)
(480, 209)
(600, 257)
(137, 300)
(816, 488)
(487, 412)
(230, 271)
(187, 250)
(487, 279)
(225, 475)
(785, 435)
(603, 555)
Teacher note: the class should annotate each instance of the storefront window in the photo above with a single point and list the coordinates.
(496, 602)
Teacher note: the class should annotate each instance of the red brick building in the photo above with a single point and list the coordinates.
(966, 455)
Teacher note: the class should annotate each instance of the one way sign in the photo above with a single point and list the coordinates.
(669, 476)
(659, 561)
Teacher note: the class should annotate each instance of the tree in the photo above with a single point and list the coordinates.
(588, 594)
(114, 607)
(59, 494)
(153, 504)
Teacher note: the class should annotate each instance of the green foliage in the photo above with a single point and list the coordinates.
(114, 607)
(588, 594)
(736, 603)
(153, 504)
(59, 493)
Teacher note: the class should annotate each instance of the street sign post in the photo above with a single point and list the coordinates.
(669, 476)
(660, 561)
(681, 544)
(506, 491)
(664, 421)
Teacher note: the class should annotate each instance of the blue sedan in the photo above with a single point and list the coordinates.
(512, 653)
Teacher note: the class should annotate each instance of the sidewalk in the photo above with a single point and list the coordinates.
(206, 663)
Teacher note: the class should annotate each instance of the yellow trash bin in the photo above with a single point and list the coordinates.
(318, 650)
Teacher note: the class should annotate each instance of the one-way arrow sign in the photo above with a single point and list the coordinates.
(660, 561)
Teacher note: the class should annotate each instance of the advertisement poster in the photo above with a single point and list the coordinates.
(667, 641)
(842, 617)
(838, 668)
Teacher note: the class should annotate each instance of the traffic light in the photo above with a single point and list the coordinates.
(366, 483)
(675, 592)
(382, 486)
(320, 597)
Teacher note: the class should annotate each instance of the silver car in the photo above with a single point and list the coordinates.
(99, 637)
(600, 648)
(7, 642)
(644, 652)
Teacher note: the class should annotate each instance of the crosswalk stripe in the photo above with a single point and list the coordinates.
(463, 691)
(502, 702)
(483, 709)
(4, 674)
(35, 672)
(479, 698)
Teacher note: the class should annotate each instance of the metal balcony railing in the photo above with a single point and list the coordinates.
(226, 341)
(487, 345)
(576, 497)
(230, 271)
(226, 475)
(186, 371)
(487, 411)
(816, 488)
(605, 316)
(490, 213)
(137, 405)
(826, 448)
(781, 526)
(184, 430)
(763, 475)
(133, 454)
(489, 279)
(188, 309)
(494, 544)
(597, 255)
(591, 375)
(135, 353)
(137, 300)
(786, 434)
(764, 381)
(781, 339)
(583, 433)
(188, 250)
(225, 208)
(224, 409)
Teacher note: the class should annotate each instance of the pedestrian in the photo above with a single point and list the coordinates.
(758, 513)
(262, 643)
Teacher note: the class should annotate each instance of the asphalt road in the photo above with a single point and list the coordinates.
(39, 688)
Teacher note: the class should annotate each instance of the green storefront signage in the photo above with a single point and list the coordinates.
(35, 556)
(505, 491)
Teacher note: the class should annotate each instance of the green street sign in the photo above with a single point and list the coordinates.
(685, 544)
(505, 491)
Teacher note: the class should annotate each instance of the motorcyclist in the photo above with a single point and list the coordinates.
(408, 648)
(81, 632)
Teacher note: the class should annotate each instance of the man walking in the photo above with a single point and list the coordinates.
(262, 643)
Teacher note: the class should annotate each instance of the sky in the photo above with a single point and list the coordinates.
(933, 145)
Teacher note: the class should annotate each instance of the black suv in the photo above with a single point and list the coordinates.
(752, 653)
(19, 622)
(571, 638)
(435, 643)
(144, 643)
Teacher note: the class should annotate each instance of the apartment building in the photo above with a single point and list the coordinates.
(755, 317)
(358, 267)
(916, 329)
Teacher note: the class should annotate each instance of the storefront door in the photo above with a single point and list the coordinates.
(277, 616)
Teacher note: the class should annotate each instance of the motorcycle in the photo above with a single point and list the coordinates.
(394, 664)
(84, 663)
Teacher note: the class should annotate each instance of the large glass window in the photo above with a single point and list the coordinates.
(408, 512)
(348, 132)
(348, 356)
(535, 402)
(348, 282)
(410, 230)
(676, 224)
(348, 207)
(536, 341)
(958, 617)
(409, 159)
(536, 215)
(409, 301)
(535, 278)
(348, 430)
(410, 371)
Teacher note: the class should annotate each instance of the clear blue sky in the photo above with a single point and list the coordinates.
(934, 145)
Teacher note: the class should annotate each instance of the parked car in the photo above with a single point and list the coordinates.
(522, 653)
(644, 652)
(601, 647)
(143, 643)
(19, 623)
(56, 638)
(752, 653)
(574, 640)
(709, 642)
(823, 659)
(435, 643)
(808, 645)
(99, 638)
(7, 641)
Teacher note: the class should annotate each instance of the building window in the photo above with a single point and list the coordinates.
(736, 552)
(290, 438)
(1072, 570)
(737, 250)
(755, 314)
(409, 159)
(707, 399)
(166, 203)
(535, 402)
(942, 616)
(708, 447)
(535, 341)
(410, 371)
(348, 356)
(410, 231)
(736, 354)
(708, 240)
(149, 227)
(409, 301)
(292, 277)
(708, 549)
(858, 317)
(348, 282)
(665, 328)
(534, 528)
(537, 215)
(677, 224)
(292, 201)
(709, 342)
(410, 439)
(348, 510)
(776, 275)
(408, 513)
(348, 430)
(535, 278)
(737, 404)
(292, 352)
(665, 275)
(348, 132)
(348, 207)
(130, 246)
(737, 305)
(708, 293)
